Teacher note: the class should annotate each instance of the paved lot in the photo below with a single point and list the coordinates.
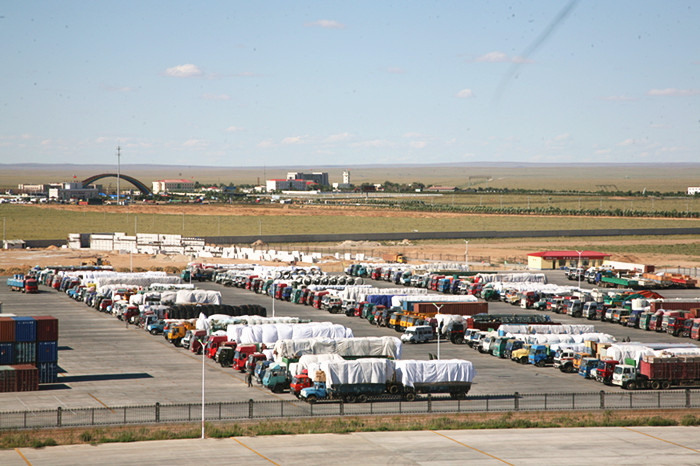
(106, 364)
(580, 446)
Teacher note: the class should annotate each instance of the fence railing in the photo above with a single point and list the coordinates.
(255, 410)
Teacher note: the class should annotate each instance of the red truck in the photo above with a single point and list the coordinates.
(695, 330)
(318, 297)
(605, 370)
(213, 343)
(241, 356)
(300, 382)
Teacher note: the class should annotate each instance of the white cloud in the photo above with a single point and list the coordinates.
(338, 137)
(266, 143)
(373, 143)
(562, 137)
(395, 70)
(418, 144)
(234, 129)
(500, 57)
(293, 140)
(602, 151)
(412, 135)
(184, 71)
(465, 94)
(326, 24)
(627, 142)
(216, 97)
(194, 143)
(673, 92)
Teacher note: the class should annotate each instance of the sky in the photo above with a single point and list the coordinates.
(281, 83)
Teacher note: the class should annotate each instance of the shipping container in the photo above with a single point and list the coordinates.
(672, 305)
(8, 379)
(48, 372)
(7, 352)
(7, 330)
(47, 351)
(25, 329)
(453, 307)
(27, 378)
(25, 352)
(46, 328)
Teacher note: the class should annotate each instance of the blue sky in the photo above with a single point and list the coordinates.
(316, 83)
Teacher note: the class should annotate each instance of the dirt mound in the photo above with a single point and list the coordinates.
(359, 244)
(258, 244)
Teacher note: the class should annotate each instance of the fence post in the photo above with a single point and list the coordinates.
(157, 411)
(602, 399)
(430, 403)
(516, 401)
(687, 398)
(59, 411)
(219, 410)
(342, 408)
(250, 408)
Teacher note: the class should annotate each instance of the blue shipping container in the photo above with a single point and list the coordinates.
(48, 372)
(47, 351)
(7, 352)
(25, 329)
(25, 352)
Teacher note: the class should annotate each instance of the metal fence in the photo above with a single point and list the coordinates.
(256, 410)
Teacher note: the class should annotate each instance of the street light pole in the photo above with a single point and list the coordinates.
(119, 155)
(578, 272)
(438, 328)
(203, 353)
(466, 254)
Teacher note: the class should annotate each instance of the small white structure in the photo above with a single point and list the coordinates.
(169, 186)
(693, 190)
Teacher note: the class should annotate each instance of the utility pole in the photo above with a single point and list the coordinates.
(119, 154)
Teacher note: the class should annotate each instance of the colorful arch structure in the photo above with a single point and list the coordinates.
(140, 186)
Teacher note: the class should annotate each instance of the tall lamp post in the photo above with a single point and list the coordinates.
(578, 272)
(466, 254)
(119, 154)
(438, 328)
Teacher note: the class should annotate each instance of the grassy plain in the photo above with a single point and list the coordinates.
(661, 177)
(55, 222)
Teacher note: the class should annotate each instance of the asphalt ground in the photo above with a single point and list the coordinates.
(569, 447)
(103, 363)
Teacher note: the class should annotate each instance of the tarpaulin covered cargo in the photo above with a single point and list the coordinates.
(569, 329)
(359, 371)
(411, 372)
(512, 277)
(387, 347)
(308, 360)
(549, 339)
(198, 297)
(462, 307)
(271, 333)
(380, 299)
(636, 350)
(407, 302)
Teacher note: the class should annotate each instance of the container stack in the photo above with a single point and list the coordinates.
(28, 352)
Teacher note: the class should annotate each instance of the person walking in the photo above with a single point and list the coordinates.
(249, 379)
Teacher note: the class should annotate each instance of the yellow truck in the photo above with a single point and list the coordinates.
(177, 331)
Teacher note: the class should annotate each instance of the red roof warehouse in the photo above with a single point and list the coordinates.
(557, 259)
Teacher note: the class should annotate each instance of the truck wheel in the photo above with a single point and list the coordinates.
(394, 389)
(410, 396)
(311, 399)
(361, 398)
(656, 385)
(666, 385)
(539, 363)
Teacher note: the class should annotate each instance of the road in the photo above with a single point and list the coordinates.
(522, 447)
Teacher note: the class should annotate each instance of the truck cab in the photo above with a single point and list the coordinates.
(316, 392)
(300, 382)
(521, 355)
(512, 345)
(588, 368)
(605, 369)
(564, 361)
(276, 378)
(589, 310)
(213, 343)
(540, 355)
(241, 356)
(625, 376)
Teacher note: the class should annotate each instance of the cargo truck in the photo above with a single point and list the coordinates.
(605, 369)
(357, 381)
(21, 283)
(659, 373)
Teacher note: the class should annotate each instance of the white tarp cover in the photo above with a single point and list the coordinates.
(398, 300)
(513, 277)
(359, 371)
(550, 339)
(636, 350)
(445, 322)
(271, 333)
(309, 360)
(410, 372)
(569, 329)
(198, 297)
(389, 347)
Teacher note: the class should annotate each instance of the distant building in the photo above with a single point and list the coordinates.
(173, 186)
(693, 190)
(321, 178)
(32, 188)
(67, 191)
(441, 189)
(550, 260)
(286, 185)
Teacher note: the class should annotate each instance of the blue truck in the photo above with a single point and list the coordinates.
(19, 282)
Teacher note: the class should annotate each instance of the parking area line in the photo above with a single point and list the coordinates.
(23, 457)
(254, 451)
(473, 448)
(100, 402)
(659, 438)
